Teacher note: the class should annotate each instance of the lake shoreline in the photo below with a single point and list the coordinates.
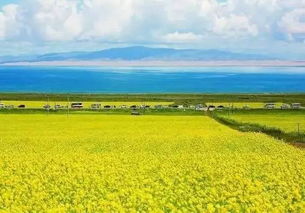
(122, 63)
(165, 97)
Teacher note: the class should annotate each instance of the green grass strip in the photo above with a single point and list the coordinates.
(290, 137)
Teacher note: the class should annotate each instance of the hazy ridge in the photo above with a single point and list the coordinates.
(139, 53)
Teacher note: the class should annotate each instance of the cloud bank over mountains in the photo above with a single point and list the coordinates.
(244, 24)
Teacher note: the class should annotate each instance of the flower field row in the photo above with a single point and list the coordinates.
(116, 163)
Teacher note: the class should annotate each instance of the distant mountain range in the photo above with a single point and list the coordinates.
(139, 53)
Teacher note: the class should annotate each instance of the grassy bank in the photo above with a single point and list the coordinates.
(177, 98)
(286, 120)
(278, 133)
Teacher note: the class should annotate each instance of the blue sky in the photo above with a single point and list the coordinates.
(5, 2)
(273, 27)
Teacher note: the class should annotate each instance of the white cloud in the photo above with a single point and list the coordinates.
(61, 20)
(53, 20)
(153, 21)
(293, 23)
(2, 26)
(105, 19)
(9, 18)
(234, 26)
(177, 37)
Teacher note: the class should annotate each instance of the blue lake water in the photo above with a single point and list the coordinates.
(152, 80)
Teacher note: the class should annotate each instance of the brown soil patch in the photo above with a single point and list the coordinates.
(299, 145)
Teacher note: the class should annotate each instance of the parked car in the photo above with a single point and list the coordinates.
(77, 105)
(96, 106)
(285, 106)
(269, 106)
(135, 113)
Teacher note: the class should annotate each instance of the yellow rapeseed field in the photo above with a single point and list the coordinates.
(119, 163)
